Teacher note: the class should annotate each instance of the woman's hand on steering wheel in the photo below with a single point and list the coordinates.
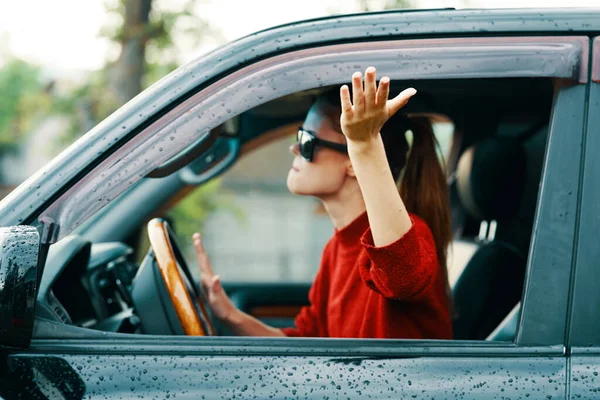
(210, 284)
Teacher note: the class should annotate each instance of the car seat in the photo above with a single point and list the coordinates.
(490, 179)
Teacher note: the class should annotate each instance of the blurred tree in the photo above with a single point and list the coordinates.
(23, 100)
(191, 212)
(133, 36)
(146, 32)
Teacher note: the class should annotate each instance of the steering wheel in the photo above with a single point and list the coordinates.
(188, 302)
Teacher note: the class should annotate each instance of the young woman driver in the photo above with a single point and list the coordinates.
(383, 273)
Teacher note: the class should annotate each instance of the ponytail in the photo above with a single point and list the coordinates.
(424, 188)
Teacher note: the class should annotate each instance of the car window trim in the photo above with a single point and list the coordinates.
(249, 346)
(578, 51)
(584, 323)
(551, 255)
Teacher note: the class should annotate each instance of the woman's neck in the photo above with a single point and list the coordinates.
(345, 206)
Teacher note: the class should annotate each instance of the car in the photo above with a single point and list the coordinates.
(82, 317)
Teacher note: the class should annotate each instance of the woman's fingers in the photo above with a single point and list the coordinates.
(205, 286)
(210, 284)
(399, 101)
(370, 108)
(370, 88)
(345, 101)
(383, 91)
(216, 284)
(357, 93)
(203, 263)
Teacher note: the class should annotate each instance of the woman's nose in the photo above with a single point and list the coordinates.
(295, 149)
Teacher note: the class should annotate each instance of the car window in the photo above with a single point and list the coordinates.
(256, 232)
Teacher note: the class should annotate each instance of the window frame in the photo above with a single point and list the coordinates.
(550, 260)
(540, 270)
(584, 321)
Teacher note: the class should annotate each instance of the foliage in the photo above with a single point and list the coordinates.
(23, 100)
(85, 106)
(153, 29)
(190, 214)
(158, 33)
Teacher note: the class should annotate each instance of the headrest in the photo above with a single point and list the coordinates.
(490, 178)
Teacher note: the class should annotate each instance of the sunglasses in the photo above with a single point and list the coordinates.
(308, 140)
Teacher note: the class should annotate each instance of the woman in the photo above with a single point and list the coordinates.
(383, 273)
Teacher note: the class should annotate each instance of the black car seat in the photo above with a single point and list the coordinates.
(490, 179)
(520, 227)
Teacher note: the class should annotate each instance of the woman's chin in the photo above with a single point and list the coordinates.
(295, 188)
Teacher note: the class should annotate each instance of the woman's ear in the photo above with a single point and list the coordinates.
(350, 169)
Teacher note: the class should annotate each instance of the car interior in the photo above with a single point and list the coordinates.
(494, 167)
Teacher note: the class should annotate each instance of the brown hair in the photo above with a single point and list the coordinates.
(423, 188)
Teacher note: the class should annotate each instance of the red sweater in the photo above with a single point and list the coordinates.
(363, 291)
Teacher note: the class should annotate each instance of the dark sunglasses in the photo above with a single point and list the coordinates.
(308, 140)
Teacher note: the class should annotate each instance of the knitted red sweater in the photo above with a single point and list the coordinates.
(363, 291)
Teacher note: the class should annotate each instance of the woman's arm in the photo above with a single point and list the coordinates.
(361, 123)
(243, 324)
(223, 309)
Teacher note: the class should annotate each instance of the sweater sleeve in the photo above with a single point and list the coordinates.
(403, 269)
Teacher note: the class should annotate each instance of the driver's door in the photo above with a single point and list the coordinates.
(70, 362)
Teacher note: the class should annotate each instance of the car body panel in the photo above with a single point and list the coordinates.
(551, 252)
(584, 379)
(585, 319)
(222, 376)
(263, 367)
(584, 329)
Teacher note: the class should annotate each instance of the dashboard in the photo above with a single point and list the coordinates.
(89, 285)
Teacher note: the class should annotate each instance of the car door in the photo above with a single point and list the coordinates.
(73, 362)
(584, 332)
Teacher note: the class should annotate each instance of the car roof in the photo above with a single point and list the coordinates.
(451, 20)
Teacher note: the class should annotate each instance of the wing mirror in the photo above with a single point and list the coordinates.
(19, 248)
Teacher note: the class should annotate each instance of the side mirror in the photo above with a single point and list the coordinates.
(19, 248)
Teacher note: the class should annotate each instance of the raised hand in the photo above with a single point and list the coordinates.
(363, 117)
(210, 284)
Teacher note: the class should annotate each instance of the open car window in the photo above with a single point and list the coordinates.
(288, 235)
(262, 234)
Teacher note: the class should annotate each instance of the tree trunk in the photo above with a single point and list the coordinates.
(129, 69)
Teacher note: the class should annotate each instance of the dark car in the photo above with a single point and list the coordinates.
(82, 316)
